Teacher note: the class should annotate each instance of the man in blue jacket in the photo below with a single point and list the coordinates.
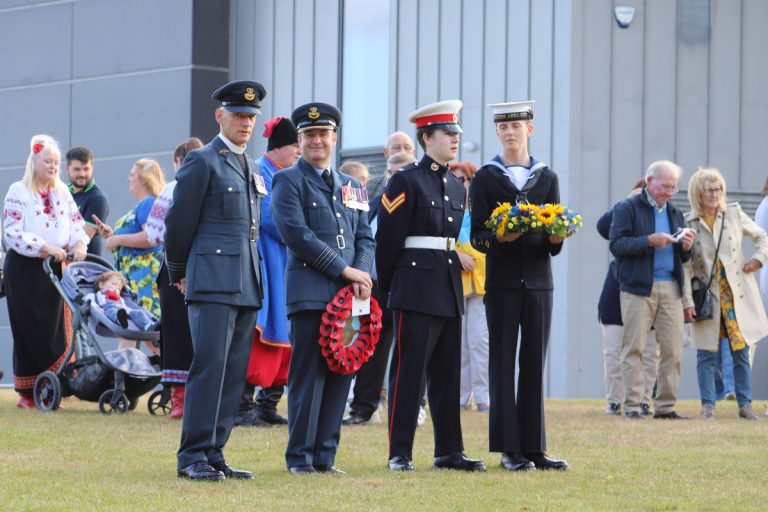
(650, 245)
(329, 246)
(211, 238)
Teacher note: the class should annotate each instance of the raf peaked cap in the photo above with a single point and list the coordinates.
(316, 115)
(514, 111)
(443, 114)
(279, 132)
(241, 96)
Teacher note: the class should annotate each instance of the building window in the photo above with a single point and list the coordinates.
(365, 66)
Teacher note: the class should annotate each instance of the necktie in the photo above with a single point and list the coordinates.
(328, 178)
(241, 160)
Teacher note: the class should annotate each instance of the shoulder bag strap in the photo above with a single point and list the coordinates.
(717, 250)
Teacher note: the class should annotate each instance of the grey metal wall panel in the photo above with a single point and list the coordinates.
(659, 82)
(724, 112)
(449, 80)
(132, 114)
(113, 36)
(692, 135)
(406, 33)
(541, 27)
(305, 65)
(473, 115)
(518, 48)
(427, 51)
(51, 107)
(754, 96)
(283, 56)
(494, 84)
(627, 70)
(31, 36)
(327, 45)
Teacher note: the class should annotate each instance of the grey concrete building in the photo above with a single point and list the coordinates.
(682, 81)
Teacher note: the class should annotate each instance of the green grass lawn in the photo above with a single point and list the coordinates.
(78, 459)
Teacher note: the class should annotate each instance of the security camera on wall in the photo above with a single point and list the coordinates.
(624, 15)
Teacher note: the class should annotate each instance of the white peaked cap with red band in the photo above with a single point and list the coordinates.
(443, 114)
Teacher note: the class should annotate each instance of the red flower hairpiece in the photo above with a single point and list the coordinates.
(269, 126)
(37, 147)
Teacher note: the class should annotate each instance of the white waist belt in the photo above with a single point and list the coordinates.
(438, 243)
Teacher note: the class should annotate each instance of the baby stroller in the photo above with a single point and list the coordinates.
(116, 378)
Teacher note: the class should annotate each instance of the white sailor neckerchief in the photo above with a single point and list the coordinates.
(515, 174)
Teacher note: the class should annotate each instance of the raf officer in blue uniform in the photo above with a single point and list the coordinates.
(329, 246)
(420, 216)
(210, 243)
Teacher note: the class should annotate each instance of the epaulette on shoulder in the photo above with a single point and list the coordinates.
(409, 167)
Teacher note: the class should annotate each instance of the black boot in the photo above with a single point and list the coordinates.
(246, 410)
(266, 405)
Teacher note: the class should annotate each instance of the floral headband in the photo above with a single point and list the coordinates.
(37, 147)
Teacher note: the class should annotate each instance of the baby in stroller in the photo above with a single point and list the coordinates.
(109, 287)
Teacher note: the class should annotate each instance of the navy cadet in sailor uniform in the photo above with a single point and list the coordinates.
(210, 243)
(518, 291)
(420, 217)
(329, 246)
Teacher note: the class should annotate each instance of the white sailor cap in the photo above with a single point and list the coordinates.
(443, 114)
(512, 111)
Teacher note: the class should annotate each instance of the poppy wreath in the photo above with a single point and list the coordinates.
(347, 358)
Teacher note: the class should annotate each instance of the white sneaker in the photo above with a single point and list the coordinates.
(422, 416)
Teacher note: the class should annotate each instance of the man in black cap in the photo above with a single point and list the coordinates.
(419, 218)
(329, 246)
(211, 250)
(271, 351)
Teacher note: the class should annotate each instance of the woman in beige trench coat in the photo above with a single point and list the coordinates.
(738, 314)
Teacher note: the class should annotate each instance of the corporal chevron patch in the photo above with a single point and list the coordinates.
(392, 204)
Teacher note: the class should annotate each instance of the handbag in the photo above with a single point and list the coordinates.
(702, 300)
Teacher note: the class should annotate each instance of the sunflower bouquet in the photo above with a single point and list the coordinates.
(545, 219)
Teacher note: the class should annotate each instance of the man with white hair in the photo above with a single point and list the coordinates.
(650, 244)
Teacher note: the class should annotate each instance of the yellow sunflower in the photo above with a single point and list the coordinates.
(546, 215)
(502, 208)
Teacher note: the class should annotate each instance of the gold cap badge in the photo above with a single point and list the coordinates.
(249, 94)
(313, 113)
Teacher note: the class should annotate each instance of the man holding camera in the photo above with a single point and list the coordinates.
(650, 245)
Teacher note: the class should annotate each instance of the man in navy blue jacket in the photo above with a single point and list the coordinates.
(650, 245)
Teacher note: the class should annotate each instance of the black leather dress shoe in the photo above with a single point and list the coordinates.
(669, 416)
(304, 469)
(200, 471)
(237, 474)
(541, 461)
(400, 464)
(515, 461)
(329, 468)
(632, 415)
(355, 419)
(271, 417)
(458, 461)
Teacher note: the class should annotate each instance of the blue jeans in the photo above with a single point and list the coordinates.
(724, 370)
(705, 371)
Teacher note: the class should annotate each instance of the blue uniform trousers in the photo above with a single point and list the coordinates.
(316, 397)
(221, 337)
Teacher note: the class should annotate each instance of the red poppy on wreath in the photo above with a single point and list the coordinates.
(37, 147)
(344, 352)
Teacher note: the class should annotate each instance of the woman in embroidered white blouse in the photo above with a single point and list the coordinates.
(40, 219)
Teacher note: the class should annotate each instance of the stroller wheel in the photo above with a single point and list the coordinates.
(47, 391)
(158, 404)
(107, 405)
